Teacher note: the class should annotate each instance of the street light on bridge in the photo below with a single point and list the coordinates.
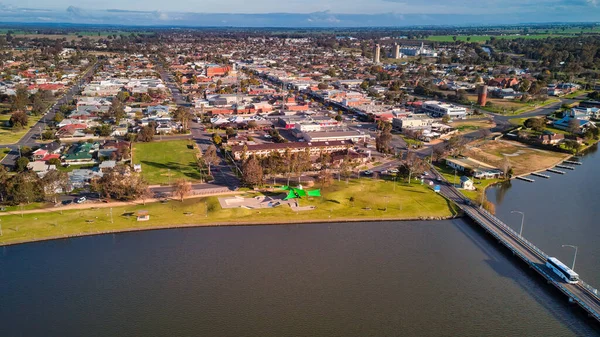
(522, 221)
(574, 257)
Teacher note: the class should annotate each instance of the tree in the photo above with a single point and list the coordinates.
(210, 157)
(217, 139)
(534, 123)
(252, 125)
(21, 99)
(382, 141)
(19, 119)
(104, 130)
(24, 188)
(38, 104)
(325, 178)
(411, 164)
(117, 110)
(182, 188)
(58, 117)
(455, 145)
(573, 126)
(4, 177)
(252, 172)
(54, 161)
(505, 167)
(146, 134)
(121, 183)
(183, 116)
(21, 164)
(54, 183)
(445, 119)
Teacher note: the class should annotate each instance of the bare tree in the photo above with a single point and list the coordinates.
(55, 182)
(182, 188)
(252, 172)
(411, 164)
(505, 166)
(210, 157)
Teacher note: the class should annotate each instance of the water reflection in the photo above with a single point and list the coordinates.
(500, 190)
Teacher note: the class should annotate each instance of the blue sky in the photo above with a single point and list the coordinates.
(300, 13)
(539, 7)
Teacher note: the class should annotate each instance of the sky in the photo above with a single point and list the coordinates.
(303, 12)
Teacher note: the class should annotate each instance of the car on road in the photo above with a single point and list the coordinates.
(368, 172)
(393, 171)
(67, 202)
(80, 200)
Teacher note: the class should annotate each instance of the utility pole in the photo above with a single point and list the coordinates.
(111, 216)
(575, 257)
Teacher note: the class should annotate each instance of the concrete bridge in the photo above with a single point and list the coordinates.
(584, 295)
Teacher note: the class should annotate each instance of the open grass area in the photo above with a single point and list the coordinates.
(513, 36)
(511, 107)
(373, 199)
(466, 126)
(522, 158)
(164, 162)
(10, 136)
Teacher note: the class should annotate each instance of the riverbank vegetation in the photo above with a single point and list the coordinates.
(361, 199)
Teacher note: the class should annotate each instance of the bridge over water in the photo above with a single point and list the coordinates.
(580, 293)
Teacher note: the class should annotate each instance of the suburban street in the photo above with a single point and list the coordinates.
(34, 134)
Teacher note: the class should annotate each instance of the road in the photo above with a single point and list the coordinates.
(35, 132)
(222, 173)
(532, 256)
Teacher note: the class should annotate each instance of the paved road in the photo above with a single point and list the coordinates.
(222, 173)
(535, 258)
(34, 134)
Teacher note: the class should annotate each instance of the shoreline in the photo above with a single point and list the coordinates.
(232, 224)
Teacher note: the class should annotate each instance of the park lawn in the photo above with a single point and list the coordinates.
(577, 94)
(8, 135)
(382, 201)
(164, 162)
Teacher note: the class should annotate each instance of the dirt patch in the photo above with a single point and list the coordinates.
(522, 158)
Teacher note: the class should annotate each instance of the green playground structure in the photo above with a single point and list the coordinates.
(299, 192)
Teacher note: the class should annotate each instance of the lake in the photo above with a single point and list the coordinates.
(437, 278)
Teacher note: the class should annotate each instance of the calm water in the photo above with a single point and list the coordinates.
(564, 209)
(441, 278)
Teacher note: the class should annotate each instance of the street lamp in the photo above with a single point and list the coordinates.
(522, 220)
(574, 257)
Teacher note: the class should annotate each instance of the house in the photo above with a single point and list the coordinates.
(551, 138)
(325, 136)
(479, 169)
(563, 124)
(80, 153)
(72, 131)
(40, 167)
(79, 178)
(107, 165)
(466, 183)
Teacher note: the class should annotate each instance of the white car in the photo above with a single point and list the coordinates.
(393, 171)
(80, 200)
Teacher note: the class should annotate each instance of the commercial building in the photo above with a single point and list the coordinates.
(439, 109)
(315, 148)
(413, 122)
(324, 136)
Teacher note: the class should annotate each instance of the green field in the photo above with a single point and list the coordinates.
(484, 38)
(165, 162)
(8, 135)
(373, 199)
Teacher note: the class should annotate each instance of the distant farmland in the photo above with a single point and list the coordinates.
(484, 38)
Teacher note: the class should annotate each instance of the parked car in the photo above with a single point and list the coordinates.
(393, 171)
(368, 172)
(67, 202)
(80, 200)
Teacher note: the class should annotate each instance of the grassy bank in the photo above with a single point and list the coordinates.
(372, 200)
(480, 184)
